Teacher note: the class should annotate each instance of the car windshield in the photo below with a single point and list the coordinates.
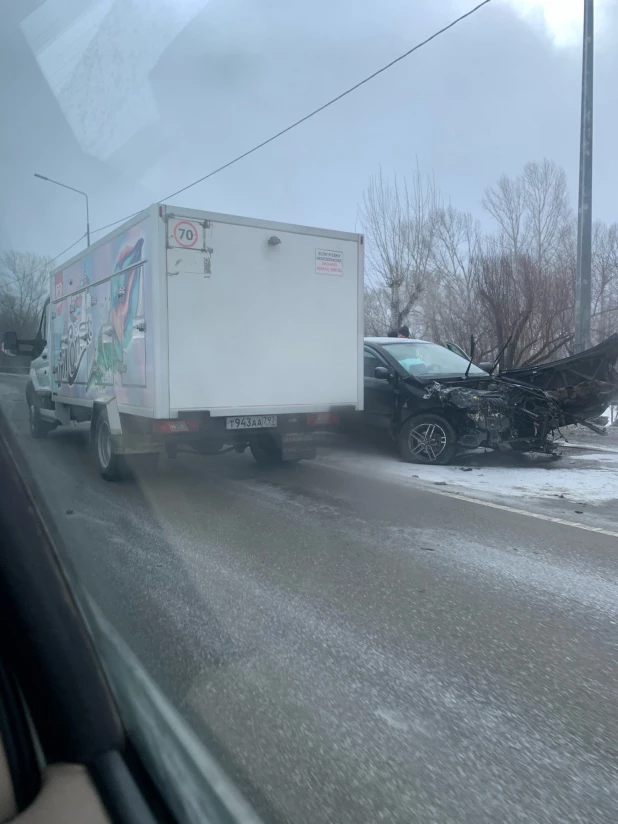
(421, 359)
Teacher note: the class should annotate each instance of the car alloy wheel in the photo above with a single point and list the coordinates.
(427, 441)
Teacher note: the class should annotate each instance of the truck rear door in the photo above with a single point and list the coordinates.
(261, 318)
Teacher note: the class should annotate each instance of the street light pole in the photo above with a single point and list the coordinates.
(79, 191)
(583, 283)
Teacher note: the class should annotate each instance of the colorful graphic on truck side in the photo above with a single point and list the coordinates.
(101, 342)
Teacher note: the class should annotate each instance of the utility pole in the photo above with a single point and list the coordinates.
(583, 285)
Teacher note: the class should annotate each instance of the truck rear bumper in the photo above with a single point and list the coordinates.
(298, 436)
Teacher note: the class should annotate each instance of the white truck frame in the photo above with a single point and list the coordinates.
(192, 329)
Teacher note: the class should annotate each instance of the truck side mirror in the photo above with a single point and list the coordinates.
(11, 344)
(486, 366)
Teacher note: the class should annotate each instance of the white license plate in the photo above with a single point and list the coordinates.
(252, 422)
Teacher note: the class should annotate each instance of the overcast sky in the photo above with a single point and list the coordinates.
(132, 99)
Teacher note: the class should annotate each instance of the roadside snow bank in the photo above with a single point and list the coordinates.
(528, 477)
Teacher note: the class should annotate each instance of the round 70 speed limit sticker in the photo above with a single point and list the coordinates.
(185, 234)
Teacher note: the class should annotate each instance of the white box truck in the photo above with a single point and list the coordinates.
(194, 330)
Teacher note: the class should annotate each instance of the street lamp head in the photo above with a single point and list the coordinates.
(79, 192)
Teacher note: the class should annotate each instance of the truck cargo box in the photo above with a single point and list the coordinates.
(182, 310)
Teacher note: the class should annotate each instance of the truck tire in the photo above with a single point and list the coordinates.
(265, 450)
(111, 466)
(38, 427)
(427, 439)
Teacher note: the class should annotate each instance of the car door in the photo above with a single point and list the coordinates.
(379, 393)
(40, 367)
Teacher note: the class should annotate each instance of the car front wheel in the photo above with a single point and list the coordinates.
(427, 439)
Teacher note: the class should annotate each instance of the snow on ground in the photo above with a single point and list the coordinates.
(586, 478)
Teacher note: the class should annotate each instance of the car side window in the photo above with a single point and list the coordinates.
(371, 360)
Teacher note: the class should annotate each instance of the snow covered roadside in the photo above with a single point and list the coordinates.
(588, 478)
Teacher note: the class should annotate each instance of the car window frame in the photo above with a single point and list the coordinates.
(379, 356)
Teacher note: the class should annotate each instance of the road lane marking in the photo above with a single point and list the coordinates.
(480, 502)
(563, 521)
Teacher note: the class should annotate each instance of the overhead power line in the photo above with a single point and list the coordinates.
(303, 119)
(330, 102)
(116, 222)
(68, 249)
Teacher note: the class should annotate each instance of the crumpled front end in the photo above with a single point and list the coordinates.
(522, 409)
(584, 385)
(504, 415)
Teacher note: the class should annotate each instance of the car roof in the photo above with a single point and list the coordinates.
(395, 340)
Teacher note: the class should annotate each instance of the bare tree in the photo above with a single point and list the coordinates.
(377, 310)
(535, 230)
(531, 211)
(604, 280)
(23, 289)
(506, 289)
(548, 215)
(451, 307)
(506, 203)
(531, 311)
(433, 264)
(398, 224)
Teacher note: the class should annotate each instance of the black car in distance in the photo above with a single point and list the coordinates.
(398, 376)
(434, 400)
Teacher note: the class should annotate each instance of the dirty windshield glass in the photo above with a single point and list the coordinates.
(429, 359)
(363, 597)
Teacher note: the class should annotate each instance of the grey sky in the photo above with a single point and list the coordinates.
(140, 106)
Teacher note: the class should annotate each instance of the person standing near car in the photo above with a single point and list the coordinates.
(403, 332)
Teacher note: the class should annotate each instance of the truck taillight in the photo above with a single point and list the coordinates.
(175, 425)
(323, 419)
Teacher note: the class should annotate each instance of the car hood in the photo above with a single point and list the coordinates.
(584, 385)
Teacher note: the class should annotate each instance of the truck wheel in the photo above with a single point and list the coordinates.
(265, 450)
(38, 427)
(427, 439)
(111, 466)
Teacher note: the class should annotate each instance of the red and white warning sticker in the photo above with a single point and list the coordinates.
(328, 262)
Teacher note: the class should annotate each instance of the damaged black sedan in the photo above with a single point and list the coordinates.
(435, 402)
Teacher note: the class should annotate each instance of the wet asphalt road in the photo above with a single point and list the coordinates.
(356, 650)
